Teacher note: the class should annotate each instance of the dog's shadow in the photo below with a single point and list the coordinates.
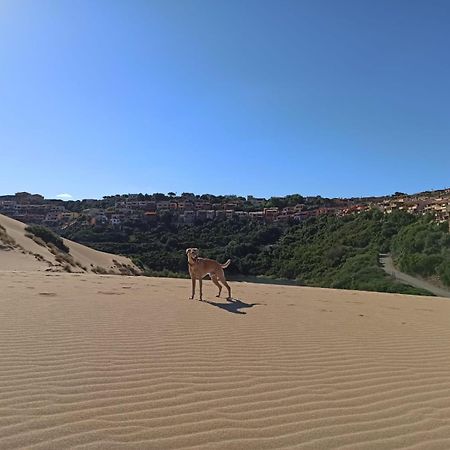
(233, 305)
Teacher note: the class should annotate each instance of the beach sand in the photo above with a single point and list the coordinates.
(110, 362)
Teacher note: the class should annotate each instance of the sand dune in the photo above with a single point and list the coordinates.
(103, 362)
(25, 254)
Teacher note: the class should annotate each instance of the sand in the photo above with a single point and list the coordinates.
(109, 362)
(26, 254)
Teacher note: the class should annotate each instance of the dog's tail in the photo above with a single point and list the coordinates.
(225, 265)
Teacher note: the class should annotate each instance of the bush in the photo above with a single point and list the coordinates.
(423, 248)
(6, 238)
(48, 236)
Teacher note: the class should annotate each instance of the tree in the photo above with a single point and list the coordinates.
(158, 196)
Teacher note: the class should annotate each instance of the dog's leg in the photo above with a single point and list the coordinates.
(201, 289)
(216, 282)
(229, 289)
(224, 282)
(193, 288)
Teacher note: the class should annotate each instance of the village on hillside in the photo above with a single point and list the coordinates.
(189, 208)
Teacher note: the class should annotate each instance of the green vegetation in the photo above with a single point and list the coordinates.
(48, 236)
(326, 251)
(423, 248)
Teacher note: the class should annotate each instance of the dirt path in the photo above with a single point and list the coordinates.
(388, 266)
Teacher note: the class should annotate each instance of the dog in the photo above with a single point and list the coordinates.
(200, 267)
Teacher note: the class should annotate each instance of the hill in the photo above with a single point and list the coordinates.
(325, 251)
(35, 248)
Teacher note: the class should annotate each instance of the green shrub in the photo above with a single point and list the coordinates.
(48, 236)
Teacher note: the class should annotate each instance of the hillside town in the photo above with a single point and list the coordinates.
(188, 208)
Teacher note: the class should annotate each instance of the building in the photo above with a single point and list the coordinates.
(163, 204)
(188, 217)
(256, 215)
(229, 213)
(201, 214)
(270, 214)
(116, 219)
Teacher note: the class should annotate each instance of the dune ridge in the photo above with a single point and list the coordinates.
(280, 367)
(20, 252)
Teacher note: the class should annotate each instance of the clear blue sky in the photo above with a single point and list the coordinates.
(337, 98)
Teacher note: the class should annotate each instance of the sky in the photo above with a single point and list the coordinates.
(317, 97)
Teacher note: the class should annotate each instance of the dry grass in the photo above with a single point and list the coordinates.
(126, 269)
(6, 239)
(36, 239)
(100, 270)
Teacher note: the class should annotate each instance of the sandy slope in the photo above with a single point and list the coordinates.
(107, 362)
(23, 255)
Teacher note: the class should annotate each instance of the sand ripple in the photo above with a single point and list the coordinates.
(149, 369)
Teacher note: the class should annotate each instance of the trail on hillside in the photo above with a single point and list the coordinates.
(388, 265)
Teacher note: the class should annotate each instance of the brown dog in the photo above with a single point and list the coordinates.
(200, 267)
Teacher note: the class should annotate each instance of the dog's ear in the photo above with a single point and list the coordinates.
(187, 251)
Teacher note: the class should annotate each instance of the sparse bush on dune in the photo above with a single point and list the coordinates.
(125, 269)
(64, 258)
(36, 239)
(100, 270)
(5, 238)
(81, 266)
(48, 236)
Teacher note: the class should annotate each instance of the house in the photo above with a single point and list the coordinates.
(52, 217)
(99, 219)
(163, 204)
(67, 216)
(302, 215)
(116, 219)
(186, 206)
(92, 212)
(284, 218)
(256, 215)
(270, 214)
(230, 205)
(34, 217)
(229, 213)
(148, 205)
(288, 210)
(202, 205)
(201, 214)
(221, 214)
(7, 204)
(188, 217)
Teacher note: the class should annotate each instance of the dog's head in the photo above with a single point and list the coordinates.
(192, 253)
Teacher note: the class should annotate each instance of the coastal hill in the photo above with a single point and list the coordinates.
(22, 250)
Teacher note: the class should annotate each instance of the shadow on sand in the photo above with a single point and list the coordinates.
(233, 305)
